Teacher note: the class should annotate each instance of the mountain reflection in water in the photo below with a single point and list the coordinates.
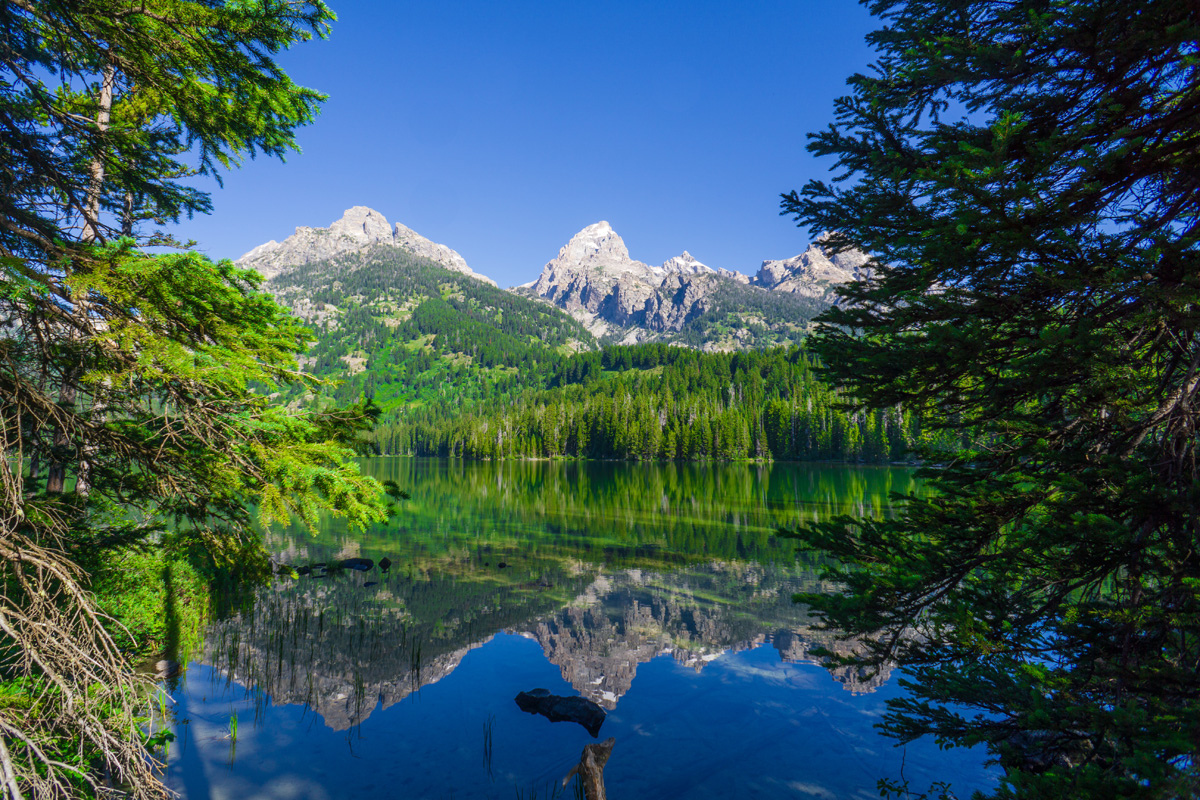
(338, 646)
(605, 566)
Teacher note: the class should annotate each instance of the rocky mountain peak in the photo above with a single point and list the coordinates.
(594, 279)
(596, 246)
(362, 224)
(406, 238)
(814, 273)
(358, 229)
(686, 264)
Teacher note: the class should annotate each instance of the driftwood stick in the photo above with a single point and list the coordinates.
(591, 769)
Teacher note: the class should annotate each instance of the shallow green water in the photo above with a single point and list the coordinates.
(657, 591)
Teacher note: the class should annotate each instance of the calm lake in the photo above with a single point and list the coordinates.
(657, 591)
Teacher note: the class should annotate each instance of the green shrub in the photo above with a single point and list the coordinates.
(159, 602)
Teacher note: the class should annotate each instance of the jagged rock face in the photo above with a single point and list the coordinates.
(598, 247)
(359, 228)
(686, 264)
(679, 300)
(813, 273)
(408, 239)
(594, 280)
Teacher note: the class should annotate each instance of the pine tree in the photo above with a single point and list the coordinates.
(134, 386)
(1027, 177)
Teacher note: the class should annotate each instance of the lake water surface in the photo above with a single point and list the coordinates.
(658, 591)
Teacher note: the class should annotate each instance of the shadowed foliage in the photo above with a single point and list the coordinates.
(1025, 174)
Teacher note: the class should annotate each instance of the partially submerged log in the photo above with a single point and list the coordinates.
(590, 769)
(563, 709)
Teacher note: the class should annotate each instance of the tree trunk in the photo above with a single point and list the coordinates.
(91, 210)
(127, 214)
(590, 769)
(57, 478)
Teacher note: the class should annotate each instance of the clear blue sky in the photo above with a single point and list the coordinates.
(501, 129)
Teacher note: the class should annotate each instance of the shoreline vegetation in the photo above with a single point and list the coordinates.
(140, 466)
(653, 402)
(636, 460)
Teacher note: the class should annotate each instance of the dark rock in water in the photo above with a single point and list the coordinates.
(563, 709)
(166, 669)
(319, 564)
(502, 565)
(385, 563)
(371, 583)
(360, 564)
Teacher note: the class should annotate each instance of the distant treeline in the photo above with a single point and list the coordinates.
(655, 401)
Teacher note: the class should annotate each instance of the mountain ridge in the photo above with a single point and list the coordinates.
(615, 297)
(359, 228)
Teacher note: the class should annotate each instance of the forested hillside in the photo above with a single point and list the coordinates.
(461, 368)
(744, 316)
(406, 331)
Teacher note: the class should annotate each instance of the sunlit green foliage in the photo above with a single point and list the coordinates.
(660, 402)
(131, 384)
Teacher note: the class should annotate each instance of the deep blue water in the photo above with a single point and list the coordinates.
(658, 593)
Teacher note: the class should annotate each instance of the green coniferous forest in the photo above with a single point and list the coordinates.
(1026, 175)
(460, 368)
(137, 457)
(655, 401)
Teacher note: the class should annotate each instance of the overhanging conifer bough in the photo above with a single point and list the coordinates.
(1027, 176)
(133, 387)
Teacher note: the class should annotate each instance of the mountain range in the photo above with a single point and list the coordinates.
(601, 356)
(593, 279)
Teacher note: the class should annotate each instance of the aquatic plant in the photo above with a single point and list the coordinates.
(488, 726)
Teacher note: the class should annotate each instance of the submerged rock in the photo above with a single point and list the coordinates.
(563, 709)
(166, 668)
(360, 564)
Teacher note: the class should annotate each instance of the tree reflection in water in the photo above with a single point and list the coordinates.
(595, 569)
(606, 566)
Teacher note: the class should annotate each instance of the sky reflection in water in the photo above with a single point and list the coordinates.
(657, 591)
